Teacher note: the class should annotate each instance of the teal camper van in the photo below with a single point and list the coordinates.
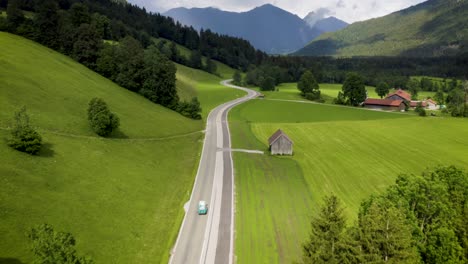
(202, 208)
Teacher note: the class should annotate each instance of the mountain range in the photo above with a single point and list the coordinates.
(268, 28)
(430, 29)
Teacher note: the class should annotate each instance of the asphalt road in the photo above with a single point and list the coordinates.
(209, 238)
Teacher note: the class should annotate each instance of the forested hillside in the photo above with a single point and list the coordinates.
(431, 29)
(114, 21)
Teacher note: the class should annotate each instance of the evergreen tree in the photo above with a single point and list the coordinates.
(382, 89)
(196, 60)
(385, 235)
(210, 66)
(354, 89)
(237, 78)
(46, 22)
(23, 137)
(308, 86)
(328, 242)
(15, 16)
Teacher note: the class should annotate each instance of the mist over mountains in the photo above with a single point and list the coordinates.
(267, 27)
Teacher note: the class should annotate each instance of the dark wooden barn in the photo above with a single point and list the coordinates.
(280, 144)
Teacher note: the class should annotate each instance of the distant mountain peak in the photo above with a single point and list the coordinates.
(267, 27)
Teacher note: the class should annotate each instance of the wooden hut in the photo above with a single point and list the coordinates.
(280, 144)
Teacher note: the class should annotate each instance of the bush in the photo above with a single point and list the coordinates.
(341, 100)
(190, 109)
(23, 137)
(313, 96)
(422, 112)
(102, 120)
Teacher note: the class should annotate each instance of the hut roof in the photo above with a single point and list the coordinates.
(415, 103)
(402, 94)
(277, 135)
(383, 102)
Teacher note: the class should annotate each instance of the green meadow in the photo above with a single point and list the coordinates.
(350, 152)
(289, 91)
(121, 197)
(223, 71)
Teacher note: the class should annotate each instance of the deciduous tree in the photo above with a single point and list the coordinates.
(50, 246)
(382, 89)
(102, 120)
(308, 86)
(354, 89)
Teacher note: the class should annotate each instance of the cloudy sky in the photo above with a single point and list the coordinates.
(348, 10)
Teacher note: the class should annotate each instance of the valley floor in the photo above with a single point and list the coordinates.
(350, 152)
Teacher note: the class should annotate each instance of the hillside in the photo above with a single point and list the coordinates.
(128, 190)
(267, 27)
(433, 28)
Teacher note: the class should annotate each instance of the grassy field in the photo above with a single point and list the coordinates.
(207, 87)
(349, 152)
(289, 91)
(121, 197)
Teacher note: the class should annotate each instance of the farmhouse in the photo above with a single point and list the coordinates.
(399, 95)
(385, 104)
(280, 144)
(431, 104)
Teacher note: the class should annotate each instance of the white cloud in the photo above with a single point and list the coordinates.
(348, 10)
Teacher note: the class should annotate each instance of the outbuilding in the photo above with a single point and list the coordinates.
(280, 144)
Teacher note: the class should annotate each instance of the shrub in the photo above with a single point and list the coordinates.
(23, 137)
(190, 109)
(340, 99)
(102, 120)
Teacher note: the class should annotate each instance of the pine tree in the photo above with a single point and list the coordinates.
(328, 242)
(385, 235)
(23, 137)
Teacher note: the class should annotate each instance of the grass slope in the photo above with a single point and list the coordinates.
(432, 28)
(121, 197)
(350, 152)
(222, 69)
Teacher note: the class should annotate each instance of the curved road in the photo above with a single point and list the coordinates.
(209, 238)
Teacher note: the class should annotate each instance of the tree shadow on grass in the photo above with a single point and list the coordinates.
(46, 152)
(10, 261)
(118, 134)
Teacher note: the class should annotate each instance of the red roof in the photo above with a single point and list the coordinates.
(383, 102)
(277, 135)
(431, 101)
(415, 103)
(402, 94)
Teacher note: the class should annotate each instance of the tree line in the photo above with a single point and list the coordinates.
(395, 71)
(79, 33)
(419, 219)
